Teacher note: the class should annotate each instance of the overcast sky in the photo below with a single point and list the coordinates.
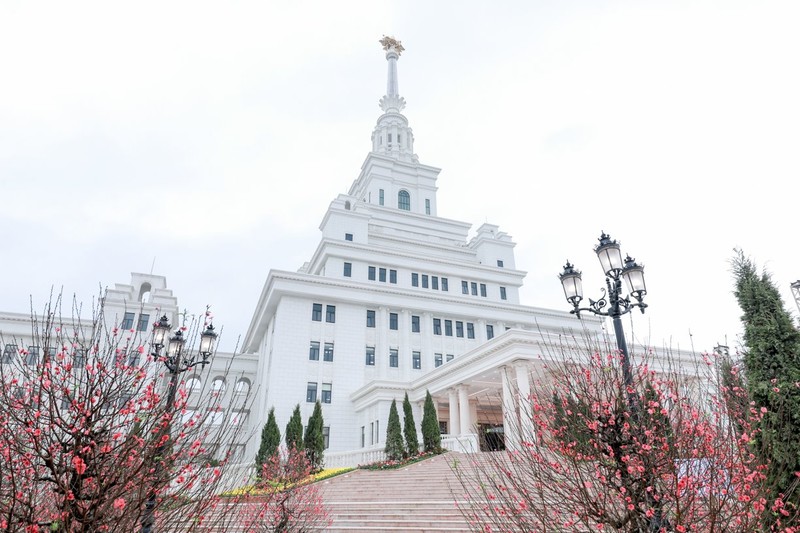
(206, 140)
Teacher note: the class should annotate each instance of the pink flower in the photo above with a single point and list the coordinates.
(119, 504)
(79, 465)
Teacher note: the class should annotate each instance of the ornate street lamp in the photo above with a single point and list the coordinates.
(612, 303)
(176, 364)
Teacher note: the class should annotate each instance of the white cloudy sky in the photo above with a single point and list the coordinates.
(212, 136)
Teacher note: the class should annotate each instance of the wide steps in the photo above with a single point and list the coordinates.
(417, 498)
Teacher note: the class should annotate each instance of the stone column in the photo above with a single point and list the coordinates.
(455, 428)
(463, 409)
(524, 391)
(509, 411)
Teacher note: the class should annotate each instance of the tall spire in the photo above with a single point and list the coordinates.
(391, 135)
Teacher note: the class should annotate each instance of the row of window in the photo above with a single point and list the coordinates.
(330, 313)
(327, 354)
(141, 325)
(31, 356)
(326, 393)
(379, 273)
(423, 279)
(394, 358)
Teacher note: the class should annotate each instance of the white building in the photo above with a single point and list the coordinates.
(395, 299)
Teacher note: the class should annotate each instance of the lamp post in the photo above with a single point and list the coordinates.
(612, 304)
(177, 363)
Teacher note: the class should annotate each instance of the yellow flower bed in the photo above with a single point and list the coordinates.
(253, 490)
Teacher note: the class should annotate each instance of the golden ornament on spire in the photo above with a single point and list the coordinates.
(390, 42)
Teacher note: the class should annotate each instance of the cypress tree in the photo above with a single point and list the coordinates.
(409, 429)
(294, 430)
(270, 440)
(772, 369)
(431, 437)
(314, 440)
(394, 438)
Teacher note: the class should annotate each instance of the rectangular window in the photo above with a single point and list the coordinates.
(127, 321)
(32, 359)
(363, 437)
(437, 326)
(144, 320)
(437, 360)
(326, 436)
(489, 331)
(371, 273)
(449, 358)
(348, 236)
(443, 427)
(500, 263)
(459, 328)
(393, 276)
(316, 313)
(370, 356)
(392, 320)
(313, 351)
(328, 354)
(448, 328)
(371, 433)
(330, 313)
(370, 318)
(474, 287)
(394, 359)
(414, 324)
(416, 360)
(327, 392)
(427, 206)
(483, 290)
(435, 283)
(380, 197)
(382, 275)
(424, 281)
(414, 279)
(79, 358)
(470, 330)
(503, 293)
(348, 270)
(464, 287)
(377, 431)
(311, 392)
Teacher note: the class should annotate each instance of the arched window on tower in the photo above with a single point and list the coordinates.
(404, 200)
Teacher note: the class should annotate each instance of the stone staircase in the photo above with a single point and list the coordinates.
(417, 498)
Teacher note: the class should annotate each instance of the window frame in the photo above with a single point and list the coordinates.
(393, 276)
(394, 321)
(470, 330)
(372, 273)
(459, 329)
(448, 328)
(316, 313)
(327, 352)
(313, 351)
(416, 360)
(370, 318)
(369, 354)
(503, 294)
(143, 322)
(489, 331)
(394, 358)
(437, 360)
(444, 285)
(404, 200)
(464, 287)
(348, 270)
(330, 314)
(483, 290)
(382, 275)
(437, 326)
(311, 392)
(326, 398)
(414, 323)
(414, 279)
(127, 320)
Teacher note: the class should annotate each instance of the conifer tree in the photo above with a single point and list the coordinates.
(294, 430)
(314, 440)
(394, 437)
(270, 440)
(409, 429)
(431, 436)
(772, 371)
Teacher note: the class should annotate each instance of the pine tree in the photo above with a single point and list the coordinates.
(270, 440)
(431, 436)
(314, 440)
(772, 370)
(394, 437)
(294, 430)
(409, 429)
